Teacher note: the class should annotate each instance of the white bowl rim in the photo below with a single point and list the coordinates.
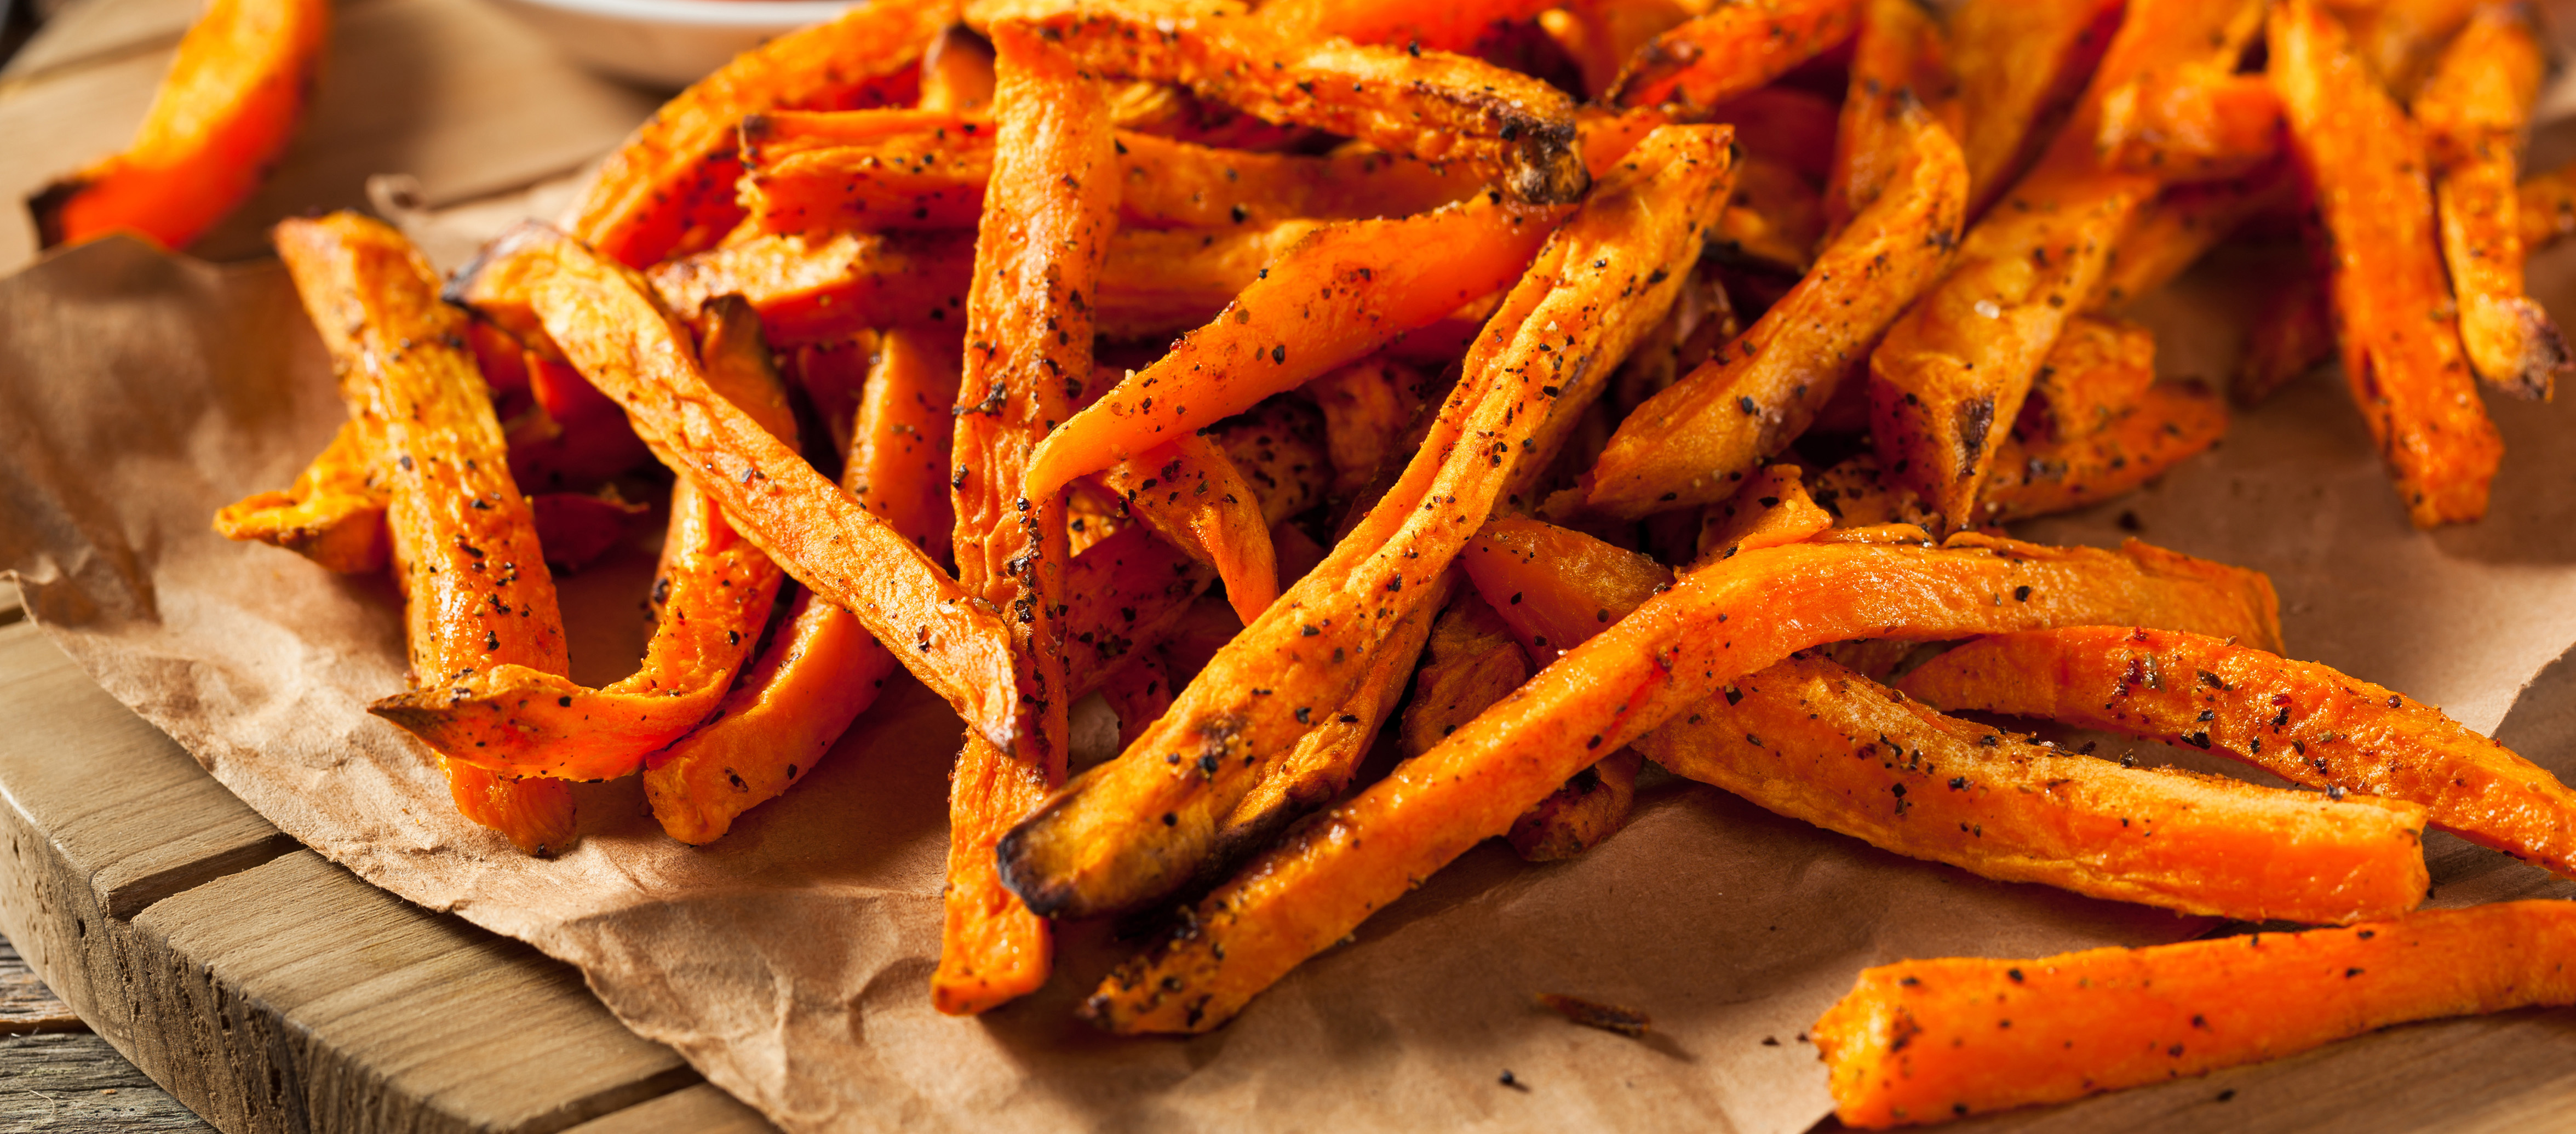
(707, 13)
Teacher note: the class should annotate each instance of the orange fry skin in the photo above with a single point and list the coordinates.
(221, 117)
(334, 513)
(1193, 496)
(2474, 109)
(1424, 104)
(1315, 887)
(1135, 828)
(1733, 49)
(2170, 423)
(605, 318)
(1335, 297)
(476, 593)
(1925, 1041)
(669, 188)
(2401, 345)
(1693, 442)
(2299, 720)
(1900, 55)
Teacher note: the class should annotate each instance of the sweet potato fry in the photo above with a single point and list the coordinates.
(2020, 64)
(2401, 344)
(1440, 26)
(1773, 218)
(2547, 204)
(2173, 231)
(1901, 55)
(334, 513)
(1924, 1041)
(1858, 495)
(2298, 720)
(1949, 381)
(1702, 319)
(1592, 806)
(221, 117)
(1555, 588)
(1336, 297)
(607, 321)
(957, 73)
(1048, 215)
(1280, 450)
(1138, 692)
(1134, 828)
(476, 593)
(2205, 125)
(1124, 593)
(2399, 39)
(1773, 508)
(816, 290)
(1163, 283)
(1367, 406)
(1428, 105)
(2098, 370)
(1471, 661)
(1691, 443)
(899, 465)
(1731, 50)
(668, 190)
(2292, 332)
(1188, 492)
(2170, 422)
(1323, 880)
(2474, 108)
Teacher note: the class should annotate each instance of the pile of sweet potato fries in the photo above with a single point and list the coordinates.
(1555, 389)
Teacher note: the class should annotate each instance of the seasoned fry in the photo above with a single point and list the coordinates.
(2020, 64)
(1924, 1041)
(1771, 509)
(1428, 105)
(1733, 49)
(2178, 227)
(2474, 109)
(1337, 296)
(1574, 818)
(2098, 370)
(334, 513)
(1470, 662)
(1188, 492)
(221, 117)
(1603, 35)
(1136, 827)
(2298, 720)
(957, 73)
(1051, 206)
(476, 593)
(1125, 593)
(1280, 450)
(2205, 125)
(1857, 494)
(899, 464)
(1367, 406)
(817, 290)
(1901, 56)
(1316, 886)
(2290, 335)
(1442, 26)
(1691, 443)
(2398, 39)
(607, 321)
(668, 190)
(1949, 381)
(2401, 344)
(2170, 422)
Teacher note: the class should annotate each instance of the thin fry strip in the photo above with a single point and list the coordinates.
(1925, 1041)
(1733, 49)
(1192, 495)
(2474, 109)
(2169, 424)
(475, 588)
(711, 598)
(1138, 826)
(1429, 105)
(606, 319)
(1337, 296)
(1694, 442)
(221, 117)
(1318, 885)
(669, 188)
(2172, 232)
(822, 669)
(1900, 56)
(1949, 381)
(2299, 720)
(334, 513)
(1050, 209)
(2401, 344)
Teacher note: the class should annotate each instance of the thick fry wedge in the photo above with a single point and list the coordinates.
(1336, 297)
(669, 189)
(221, 117)
(1423, 104)
(1733, 49)
(607, 321)
(711, 598)
(1715, 627)
(1051, 207)
(899, 462)
(1694, 442)
(1188, 492)
(1901, 55)
(2020, 65)
(476, 593)
(1136, 827)
(1925, 1041)
(2401, 344)
(2298, 720)
(334, 513)
(2170, 422)
(1949, 381)
(2474, 108)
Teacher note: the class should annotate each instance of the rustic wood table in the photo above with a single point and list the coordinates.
(268, 989)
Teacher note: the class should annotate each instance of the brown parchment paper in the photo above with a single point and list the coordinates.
(789, 962)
